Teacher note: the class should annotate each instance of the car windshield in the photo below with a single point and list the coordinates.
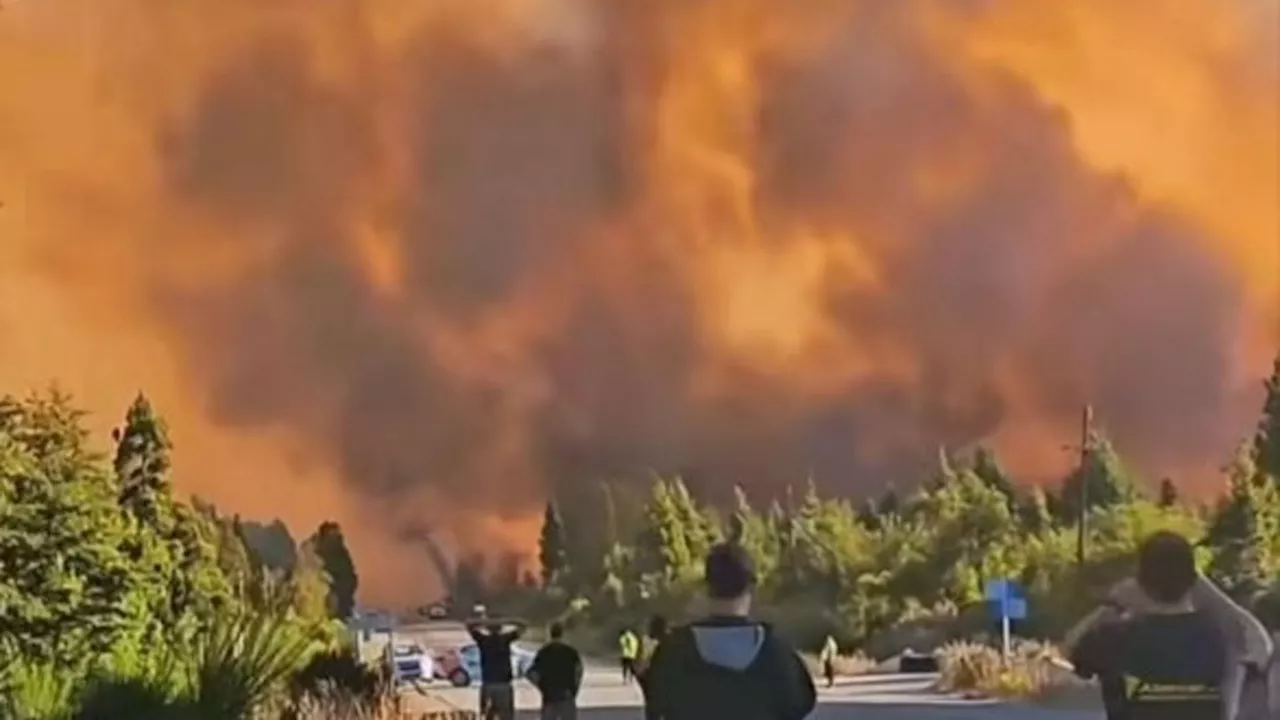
(407, 650)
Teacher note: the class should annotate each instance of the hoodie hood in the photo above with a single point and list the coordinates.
(733, 647)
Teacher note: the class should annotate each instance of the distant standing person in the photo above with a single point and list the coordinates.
(557, 673)
(728, 665)
(648, 647)
(830, 651)
(494, 638)
(628, 649)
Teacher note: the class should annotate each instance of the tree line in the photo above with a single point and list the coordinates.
(865, 571)
(105, 570)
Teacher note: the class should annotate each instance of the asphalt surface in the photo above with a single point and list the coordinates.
(875, 697)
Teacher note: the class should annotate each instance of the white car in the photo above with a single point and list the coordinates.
(468, 670)
(410, 663)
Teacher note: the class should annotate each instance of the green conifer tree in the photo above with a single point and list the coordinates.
(553, 554)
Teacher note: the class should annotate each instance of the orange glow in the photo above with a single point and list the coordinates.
(413, 264)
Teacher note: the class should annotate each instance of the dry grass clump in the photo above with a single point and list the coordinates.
(341, 706)
(1032, 670)
(846, 665)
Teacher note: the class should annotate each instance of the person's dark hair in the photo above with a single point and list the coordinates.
(1166, 567)
(657, 626)
(728, 572)
(556, 631)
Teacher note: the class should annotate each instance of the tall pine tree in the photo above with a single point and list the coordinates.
(1034, 511)
(987, 467)
(1243, 533)
(552, 548)
(168, 539)
(310, 587)
(330, 545)
(142, 464)
(1266, 442)
(1106, 479)
(67, 591)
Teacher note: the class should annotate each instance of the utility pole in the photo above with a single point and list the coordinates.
(1086, 448)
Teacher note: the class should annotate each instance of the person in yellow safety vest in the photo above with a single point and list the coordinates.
(830, 650)
(628, 650)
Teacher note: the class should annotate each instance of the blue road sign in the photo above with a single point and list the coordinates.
(1006, 599)
(998, 589)
(1015, 609)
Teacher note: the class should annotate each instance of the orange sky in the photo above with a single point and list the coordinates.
(406, 263)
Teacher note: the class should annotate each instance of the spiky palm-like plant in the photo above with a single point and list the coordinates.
(243, 662)
(31, 691)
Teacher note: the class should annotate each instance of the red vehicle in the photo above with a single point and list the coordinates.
(449, 666)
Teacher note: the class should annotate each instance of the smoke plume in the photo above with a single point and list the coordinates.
(418, 264)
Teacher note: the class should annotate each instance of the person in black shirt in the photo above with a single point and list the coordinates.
(728, 665)
(494, 639)
(648, 648)
(1169, 662)
(557, 673)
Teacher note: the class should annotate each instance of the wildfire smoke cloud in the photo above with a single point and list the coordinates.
(387, 261)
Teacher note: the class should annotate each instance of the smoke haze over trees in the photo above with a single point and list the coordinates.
(410, 267)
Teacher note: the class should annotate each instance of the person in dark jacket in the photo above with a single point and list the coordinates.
(728, 665)
(648, 647)
(557, 673)
(1169, 662)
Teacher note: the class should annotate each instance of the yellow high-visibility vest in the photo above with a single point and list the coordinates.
(629, 645)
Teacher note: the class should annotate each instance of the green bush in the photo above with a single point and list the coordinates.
(37, 691)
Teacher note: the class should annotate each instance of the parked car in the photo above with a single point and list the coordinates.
(461, 667)
(917, 662)
(449, 666)
(410, 663)
(434, 611)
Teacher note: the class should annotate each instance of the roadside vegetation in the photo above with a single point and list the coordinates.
(906, 569)
(1032, 670)
(116, 594)
(118, 600)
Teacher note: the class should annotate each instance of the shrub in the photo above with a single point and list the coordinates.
(32, 691)
(333, 673)
(846, 665)
(970, 667)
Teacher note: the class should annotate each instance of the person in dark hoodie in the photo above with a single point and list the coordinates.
(728, 665)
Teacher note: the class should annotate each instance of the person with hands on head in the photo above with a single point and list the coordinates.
(1155, 653)
(493, 639)
(728, 665)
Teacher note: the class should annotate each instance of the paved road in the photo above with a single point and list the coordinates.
(880, 697)
(889, 697)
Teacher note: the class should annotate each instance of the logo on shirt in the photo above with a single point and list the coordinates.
(1139, 690)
